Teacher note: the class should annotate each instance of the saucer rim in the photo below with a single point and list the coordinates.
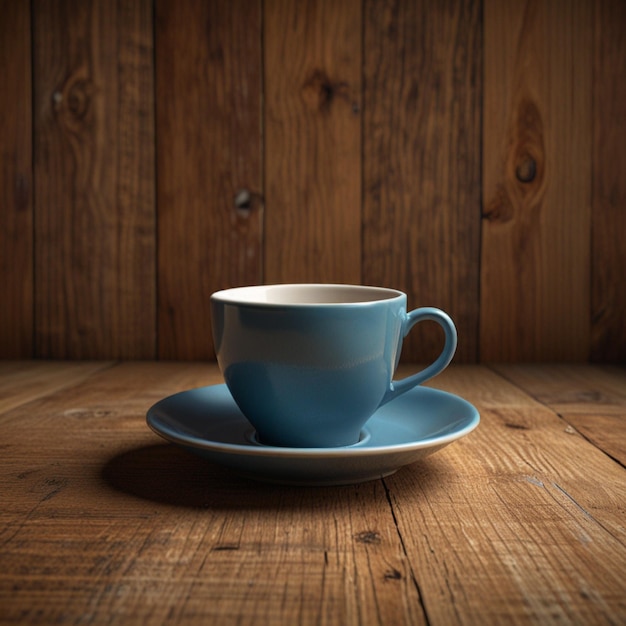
(470, 421)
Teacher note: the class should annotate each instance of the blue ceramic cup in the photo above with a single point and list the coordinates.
(309, 364)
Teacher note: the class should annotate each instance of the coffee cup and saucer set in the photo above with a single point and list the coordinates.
(310, 396)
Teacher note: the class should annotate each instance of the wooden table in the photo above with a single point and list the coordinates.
(521, 522)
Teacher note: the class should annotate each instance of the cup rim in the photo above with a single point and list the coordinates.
(257, 295)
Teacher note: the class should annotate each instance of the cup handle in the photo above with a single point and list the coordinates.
(399, 387)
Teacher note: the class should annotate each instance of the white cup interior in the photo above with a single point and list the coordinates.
(302, 294)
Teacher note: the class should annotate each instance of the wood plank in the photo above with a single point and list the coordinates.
(571, 388)
(608, 276)
(142, 532)
(103, 521)
(208, 85)
(523, 512)
(85, 387)
(94, 172)
(535, 265)
(312, 133)
(25, 381)
(16, 182)
(591, 399)
(422, 161)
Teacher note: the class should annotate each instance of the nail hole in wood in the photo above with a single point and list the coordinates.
(243, 200)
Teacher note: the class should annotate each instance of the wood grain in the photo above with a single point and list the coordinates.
(208, 86)
(591, 400)
(535, 263)
(512, 511)
(520, 522)
(94, 173)
(608, 273)
(470, 154)
(16, 195)
(422, 161)
(142, 532)
(25, 381)
(312, 141)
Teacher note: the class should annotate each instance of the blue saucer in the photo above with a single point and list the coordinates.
(207, 422)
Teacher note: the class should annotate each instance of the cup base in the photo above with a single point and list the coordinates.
(253, 437)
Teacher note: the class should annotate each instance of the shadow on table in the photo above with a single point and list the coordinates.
(167, 474)
(164, 473)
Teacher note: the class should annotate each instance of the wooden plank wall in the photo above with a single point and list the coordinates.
(422, 155)
(16, 182)
(208, 111)
(471, 153)
(536, 180)
(94, 179)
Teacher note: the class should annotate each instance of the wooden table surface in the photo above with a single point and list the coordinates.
(521, 522)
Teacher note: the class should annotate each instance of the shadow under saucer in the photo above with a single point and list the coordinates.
(170, 475)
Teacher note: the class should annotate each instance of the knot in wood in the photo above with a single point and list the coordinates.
(526, 170)
(321, 91)
(79, 98)
(393, 574)
(528, 154)
(368, 536)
